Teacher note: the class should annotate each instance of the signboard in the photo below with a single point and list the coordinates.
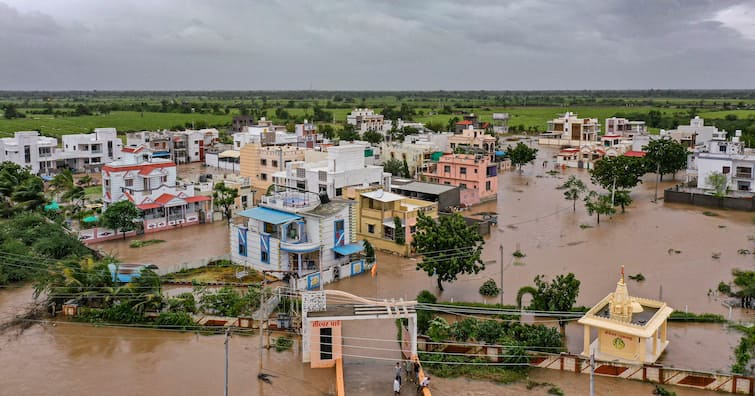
(325, 323)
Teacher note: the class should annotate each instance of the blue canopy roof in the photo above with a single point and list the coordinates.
(303, 248)
(271, 216)
(161, 154)
(500, 153)
(351, 248)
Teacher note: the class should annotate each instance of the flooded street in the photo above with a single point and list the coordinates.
(72, 359)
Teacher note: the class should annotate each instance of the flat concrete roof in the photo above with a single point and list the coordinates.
(422, 187)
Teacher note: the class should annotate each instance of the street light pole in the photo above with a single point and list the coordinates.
(657, 177)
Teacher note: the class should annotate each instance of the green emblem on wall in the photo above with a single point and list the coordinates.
(618, 343)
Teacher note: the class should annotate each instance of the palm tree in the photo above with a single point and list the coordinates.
(62, 182)
(30, 194)
(574, 188)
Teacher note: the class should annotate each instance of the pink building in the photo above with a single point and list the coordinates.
(475, 174)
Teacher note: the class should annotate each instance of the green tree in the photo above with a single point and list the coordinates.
(521, 154)
(618, 172)
(666, 155)
(405, 170)
(622, 198)
(224, 198)
(394, 167)
(29, 195)
(348, 133)
(558, 295)
(399, 232)
(489, 288)
(369, 252)
(120, 217)
(373, 137)
(573, 188)
(745, 286)
(326, 130)
(423, 316)
(599, 204)
(12, 112)
(448, 246)
(719, 182)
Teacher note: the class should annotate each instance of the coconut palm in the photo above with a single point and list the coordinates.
(30, 194)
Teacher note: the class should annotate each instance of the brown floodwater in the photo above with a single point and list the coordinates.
(533, 217)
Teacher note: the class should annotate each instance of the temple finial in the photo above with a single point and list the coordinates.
(622, 274)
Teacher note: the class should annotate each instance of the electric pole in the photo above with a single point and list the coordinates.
(227, 336)
(501, 251)
(592, 373)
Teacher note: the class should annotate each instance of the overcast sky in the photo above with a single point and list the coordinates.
(376, 45)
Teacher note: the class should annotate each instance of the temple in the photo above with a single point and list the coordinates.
(630, 329)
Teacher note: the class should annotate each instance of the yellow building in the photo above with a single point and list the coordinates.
(258, 163)
(630, 329)
(377, 211)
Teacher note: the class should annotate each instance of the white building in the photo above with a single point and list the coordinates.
(29, 149)
(181, 147)
(730, 158)
(307, 136)
(89, 151)
(570, 130)
(624, 127)
(292, 231)
(694, 134)
(343, 167)
(151, 184)
(367, 120)
(437, 140)
(413, 153)
(401, 124)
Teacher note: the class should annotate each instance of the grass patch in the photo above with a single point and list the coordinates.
(497, 374)
(679, 316)
(710, 214)
(214, 273)
(144, 242)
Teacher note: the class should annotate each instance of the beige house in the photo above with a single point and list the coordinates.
(471, 137)
(571, 130)
(377, 212)
(630, 329)
(258, 163)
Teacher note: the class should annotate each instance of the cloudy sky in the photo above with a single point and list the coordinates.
(376, 44)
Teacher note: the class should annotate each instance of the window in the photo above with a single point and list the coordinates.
(263, 176)
(413, 229)
(27, 154)
(326, 343)
(263, 162)
(487, 185)
(339, 235)
(164, 179)
(275, 164)
(107, 182)
(447, 168)
(371, 228)
(447, 183)
(475, 170)
(726, 170)
(463, 170)
(339, 191)
(264, 257)
(463, 185)
(242, 248)
(129, 182)
(269, 228)
(722, 148)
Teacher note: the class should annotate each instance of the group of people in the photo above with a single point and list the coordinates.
(409, 367)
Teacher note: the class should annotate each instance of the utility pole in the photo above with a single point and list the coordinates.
(227, 336)
(657, 178)
(613, 189)
(262, 304)
(500, 247)
(592, 373)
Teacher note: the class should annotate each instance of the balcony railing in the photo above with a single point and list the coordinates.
(743, 175)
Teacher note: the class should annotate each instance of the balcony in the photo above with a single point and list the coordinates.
(743, 175)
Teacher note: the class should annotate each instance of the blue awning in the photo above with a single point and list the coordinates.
(351, 248)
(271, 216)
(500, 153)
(161, 154)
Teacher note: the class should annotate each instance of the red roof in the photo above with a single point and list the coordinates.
(148, 206)
(165, 198)
(144, 169)
(132, 149)
(465, 122)
(635, 154)
(197, 198)
(129, 196)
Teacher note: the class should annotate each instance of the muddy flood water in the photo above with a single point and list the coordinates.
(75, 359)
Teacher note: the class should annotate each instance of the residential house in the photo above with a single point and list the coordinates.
(365, 120)
(501, 123)
(694, 134)
(89, 151)
(343, 166)
(157, 143)
(474, 140)
(729, 157)
(401, 124)
(414, 154)
(241, 121)
(182, 147)
(624, 127)
(471, 121)
(570, 130)
(437, 140)
(30, 150)
(447, 197)
(265, 136)
(306, 134)
(388, 220)
(293, 233)
(259, 163)
(223, 156)
(475, 174)
(586, 156)
(151, 184)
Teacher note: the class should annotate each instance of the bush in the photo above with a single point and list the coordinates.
(424, 317)
(283, 344)
(489, 331)
(464, 330)
(174, 319)
(489, 288)
(439, 330)
(183, 302)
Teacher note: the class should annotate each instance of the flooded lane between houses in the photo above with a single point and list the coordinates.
(72, 359)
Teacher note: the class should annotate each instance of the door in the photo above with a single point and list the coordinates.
(340, 233)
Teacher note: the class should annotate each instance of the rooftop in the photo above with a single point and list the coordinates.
(426, 188)
(383, 196)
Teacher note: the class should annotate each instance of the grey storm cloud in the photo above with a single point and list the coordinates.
(375, 45)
